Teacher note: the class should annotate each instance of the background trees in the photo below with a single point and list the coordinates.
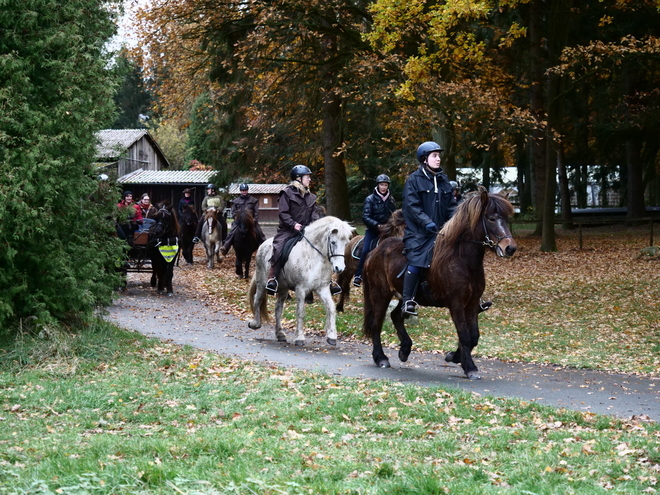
(351, 87)
(57, 258)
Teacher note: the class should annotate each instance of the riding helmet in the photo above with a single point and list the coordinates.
(243, 187)
(425, 149)
(299, 171)
(211, 186)
(454, 184)
(382, 178)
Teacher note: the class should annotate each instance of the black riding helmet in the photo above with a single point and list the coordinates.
(243, 187)
(211, 186)
(300, 170)
(425, 149)
(382, 178)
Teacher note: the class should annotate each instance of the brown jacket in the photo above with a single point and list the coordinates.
(297, 205)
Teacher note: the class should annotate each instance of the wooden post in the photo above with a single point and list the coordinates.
(580, 234)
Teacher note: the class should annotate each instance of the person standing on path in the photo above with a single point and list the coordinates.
(377, 210)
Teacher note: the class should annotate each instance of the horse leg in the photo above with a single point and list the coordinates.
(375, 310)
(279, 309)
(330, 315)
(239, 266)
(169, 275)
(247, 266)
(399, 323)
(300, 315)
(467, 327)
(344, 281)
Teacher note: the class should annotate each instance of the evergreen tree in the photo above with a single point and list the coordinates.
(133, 99)
(57, 256)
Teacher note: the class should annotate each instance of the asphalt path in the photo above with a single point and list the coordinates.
(183, 319)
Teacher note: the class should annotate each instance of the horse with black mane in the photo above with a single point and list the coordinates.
(394, 227)
(455, 279)
(163, 247)
(245, 241)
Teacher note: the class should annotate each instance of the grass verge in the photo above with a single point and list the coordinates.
(114, 412)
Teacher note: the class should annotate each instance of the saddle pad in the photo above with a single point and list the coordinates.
(168, 252)
(141, 238)
(288, 246)
(357, 250)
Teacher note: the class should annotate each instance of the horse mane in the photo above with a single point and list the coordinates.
(466, 223)
(394, 227)
(323, 226)
(246, 217)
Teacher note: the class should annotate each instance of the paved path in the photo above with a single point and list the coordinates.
(182, 319)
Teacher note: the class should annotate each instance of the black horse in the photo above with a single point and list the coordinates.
(163, 247)
(187, 229)
(245, 241)
(455, 279)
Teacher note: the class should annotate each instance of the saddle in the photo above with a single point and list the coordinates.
(358, 248)
(288, 246)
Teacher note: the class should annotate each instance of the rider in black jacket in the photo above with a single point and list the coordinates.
(428, 203)
(377, 210)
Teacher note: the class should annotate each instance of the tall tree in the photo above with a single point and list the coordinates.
(133, 98)
(57, 256)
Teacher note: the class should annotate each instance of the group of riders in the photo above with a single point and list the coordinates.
(429, 200)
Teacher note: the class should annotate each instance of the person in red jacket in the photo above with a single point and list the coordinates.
(131, 214)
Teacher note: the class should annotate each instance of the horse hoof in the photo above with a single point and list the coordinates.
(473, 375)
(450, 357)
(253, 325)
(403, 355)
(281, 338)
(332, 341)
(170, 294)
(299, 343)
(385, 363)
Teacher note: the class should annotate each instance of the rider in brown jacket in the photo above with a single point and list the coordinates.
(243, 202)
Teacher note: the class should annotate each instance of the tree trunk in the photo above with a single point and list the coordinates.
(536, 103)
(635, 203)
(566, 213)
(336, 186)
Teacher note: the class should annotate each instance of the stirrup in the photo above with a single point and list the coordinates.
(485, 305)
(409, 308)
(357, 281)
(334, 288)
(195, 240)
(272, 286)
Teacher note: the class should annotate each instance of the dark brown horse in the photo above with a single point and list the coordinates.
(393, 228)
(455, 279)
(187, 228)
(245, 242)
(163, 247)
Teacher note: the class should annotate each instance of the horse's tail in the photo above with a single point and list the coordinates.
(263, 304)
(368, 324)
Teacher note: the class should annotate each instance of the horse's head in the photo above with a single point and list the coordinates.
(244, 222)
(166, 223)
(497, 211)
(339, 233)
(188, 215)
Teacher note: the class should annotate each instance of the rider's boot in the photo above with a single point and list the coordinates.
(196, 240)
(271, 284)
(410, 282)
(357, 280)
(335, 288)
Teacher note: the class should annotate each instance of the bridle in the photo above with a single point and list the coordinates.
(488, 242)
(330, 254)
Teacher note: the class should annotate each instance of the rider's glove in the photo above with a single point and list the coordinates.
(432, 227)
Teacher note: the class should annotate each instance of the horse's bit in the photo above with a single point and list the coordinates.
(489, 242)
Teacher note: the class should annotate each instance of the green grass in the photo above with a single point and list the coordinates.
(114, 412)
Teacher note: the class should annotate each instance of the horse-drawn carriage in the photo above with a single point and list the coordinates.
(155, 249)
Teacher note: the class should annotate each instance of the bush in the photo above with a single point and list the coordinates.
(57, 257)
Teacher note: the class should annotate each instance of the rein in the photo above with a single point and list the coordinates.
(330, 254)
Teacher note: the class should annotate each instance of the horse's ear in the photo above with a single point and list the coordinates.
(484, 195)
(504, 194)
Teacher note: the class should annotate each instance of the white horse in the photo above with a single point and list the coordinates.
(212, 237)
(310, 266)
